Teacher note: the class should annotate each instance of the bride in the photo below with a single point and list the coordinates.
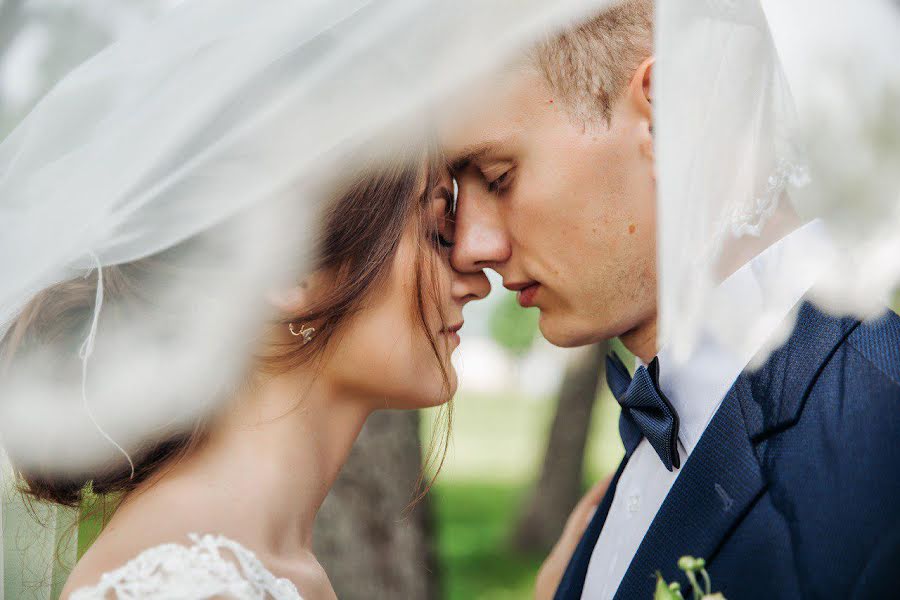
(228, 510)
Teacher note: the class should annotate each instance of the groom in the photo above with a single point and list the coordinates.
(786, 479)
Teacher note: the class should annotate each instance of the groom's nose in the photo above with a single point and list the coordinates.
(480, 240)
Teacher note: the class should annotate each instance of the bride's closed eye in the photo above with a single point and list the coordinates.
(442, 242)
(442, 219)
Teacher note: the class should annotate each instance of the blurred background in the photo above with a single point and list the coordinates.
(530, 428)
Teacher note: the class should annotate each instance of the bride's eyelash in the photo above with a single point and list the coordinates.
(437, 237)
(440, 241)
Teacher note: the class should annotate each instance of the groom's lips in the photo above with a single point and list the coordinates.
(525, 292)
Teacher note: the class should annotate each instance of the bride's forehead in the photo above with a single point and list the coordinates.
(434, 176)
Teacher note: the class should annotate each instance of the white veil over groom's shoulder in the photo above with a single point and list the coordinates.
(769, 116)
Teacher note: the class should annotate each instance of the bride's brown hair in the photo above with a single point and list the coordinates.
(361, 228)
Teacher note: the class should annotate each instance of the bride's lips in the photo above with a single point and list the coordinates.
(525, 292)
(453, 332)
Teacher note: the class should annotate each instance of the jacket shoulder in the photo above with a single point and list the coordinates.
(878, 342)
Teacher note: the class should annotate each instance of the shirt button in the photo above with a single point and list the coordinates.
(634, 503)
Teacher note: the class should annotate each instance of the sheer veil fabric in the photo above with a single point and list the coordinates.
(204, 134)
(207, 132)
(770, 115)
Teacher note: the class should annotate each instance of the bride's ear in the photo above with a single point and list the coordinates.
(296, 298)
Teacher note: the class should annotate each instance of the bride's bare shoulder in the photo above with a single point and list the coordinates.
(164, 554)
(155, 520)
(112, 550)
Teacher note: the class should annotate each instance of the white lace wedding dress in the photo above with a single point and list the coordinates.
(211, 567)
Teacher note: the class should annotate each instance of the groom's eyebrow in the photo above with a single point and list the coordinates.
(473, 153)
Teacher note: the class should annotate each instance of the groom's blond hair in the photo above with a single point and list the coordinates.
(590, 65)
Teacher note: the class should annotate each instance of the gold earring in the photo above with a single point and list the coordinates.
(306, 332)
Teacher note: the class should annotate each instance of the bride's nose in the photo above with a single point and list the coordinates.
(469, 286)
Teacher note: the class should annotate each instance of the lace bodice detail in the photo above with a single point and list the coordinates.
(211, 567)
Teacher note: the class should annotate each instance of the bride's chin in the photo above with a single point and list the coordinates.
(441, 398)
(418, 403)
(444, 391)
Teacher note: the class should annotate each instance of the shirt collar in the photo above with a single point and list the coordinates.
(697, 386)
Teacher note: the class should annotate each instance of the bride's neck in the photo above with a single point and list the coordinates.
(272, 457)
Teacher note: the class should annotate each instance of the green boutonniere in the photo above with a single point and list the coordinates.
(692, 567)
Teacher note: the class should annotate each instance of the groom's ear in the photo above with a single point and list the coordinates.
(640, 97)
(640, 90)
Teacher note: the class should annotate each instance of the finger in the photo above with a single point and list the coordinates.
(590, 516)
(592, 498)
(596, 493)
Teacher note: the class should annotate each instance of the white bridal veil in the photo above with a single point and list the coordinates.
(770, 115)
(203, 134)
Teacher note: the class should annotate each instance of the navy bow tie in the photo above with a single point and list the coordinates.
(646, 412)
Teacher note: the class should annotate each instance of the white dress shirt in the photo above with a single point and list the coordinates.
(695, 389)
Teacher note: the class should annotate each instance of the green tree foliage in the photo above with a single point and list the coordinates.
(513, 327)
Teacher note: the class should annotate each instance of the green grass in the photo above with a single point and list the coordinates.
(497, 448)
(503, 437)
(475, 521)
(90, 523)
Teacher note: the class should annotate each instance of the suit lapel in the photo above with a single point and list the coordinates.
(718, 485)
(573, 579)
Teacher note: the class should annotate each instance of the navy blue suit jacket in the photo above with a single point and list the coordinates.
(793, 491)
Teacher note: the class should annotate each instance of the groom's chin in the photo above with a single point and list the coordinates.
(564, 333)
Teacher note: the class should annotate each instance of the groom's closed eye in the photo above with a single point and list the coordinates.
(495, 176)
(498, 182)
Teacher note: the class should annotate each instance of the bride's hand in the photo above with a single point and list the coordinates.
(554, 566)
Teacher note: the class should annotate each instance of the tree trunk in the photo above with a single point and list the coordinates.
(370, 548)
(560, 484)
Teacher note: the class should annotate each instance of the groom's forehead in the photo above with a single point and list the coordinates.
(479, 140)
(489, 117)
